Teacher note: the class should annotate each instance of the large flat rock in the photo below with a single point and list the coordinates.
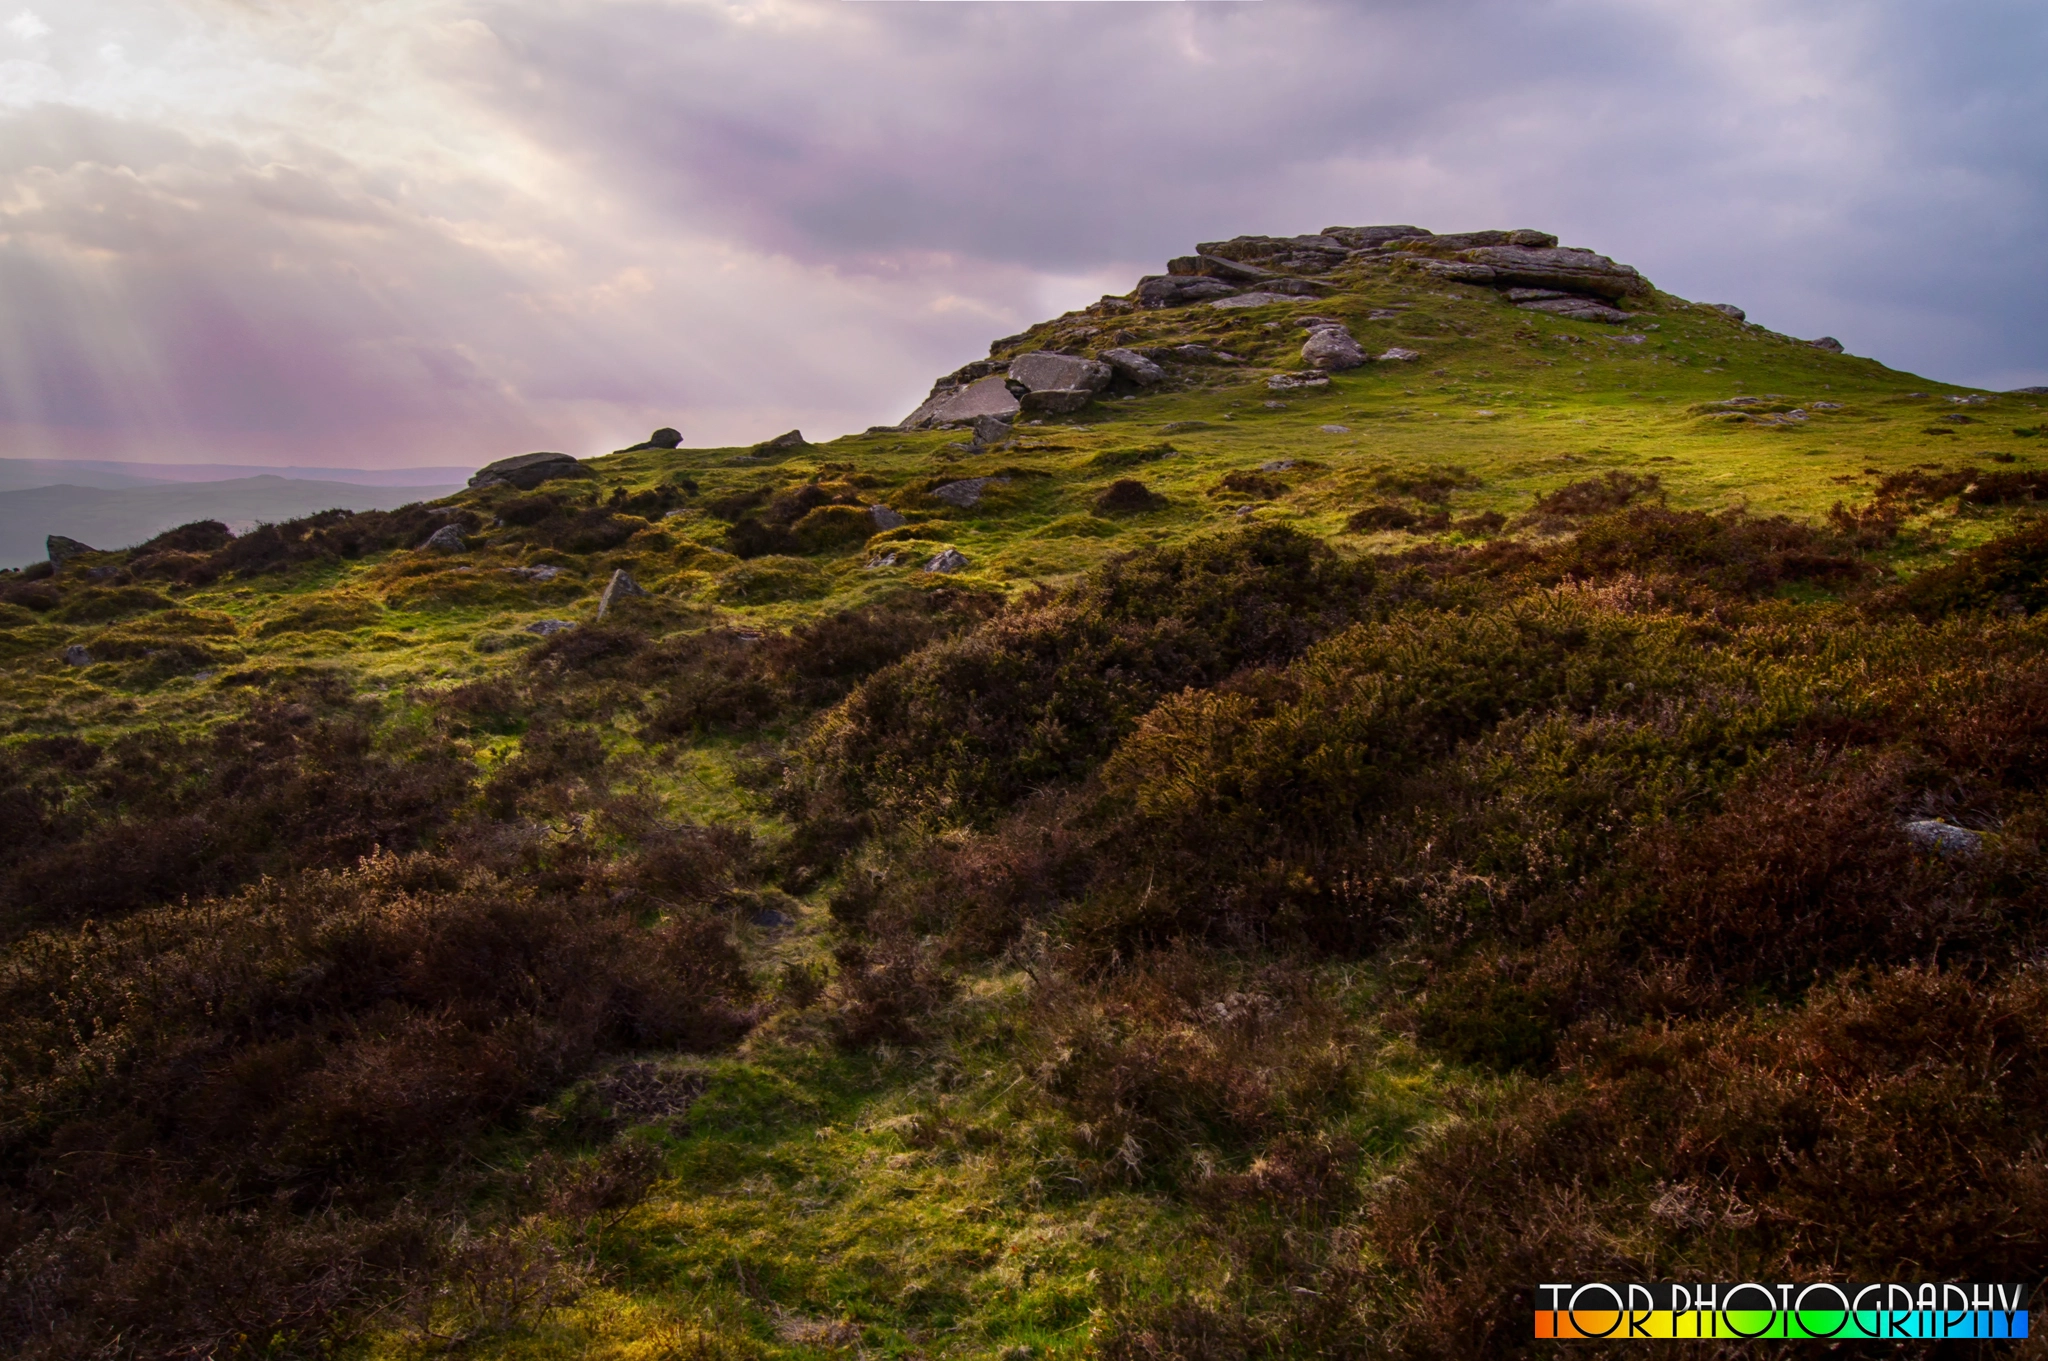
(527, 471)
(988, 396)
(1043, 371)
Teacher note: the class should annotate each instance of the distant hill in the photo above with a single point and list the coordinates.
(118, 516)
(17, 474)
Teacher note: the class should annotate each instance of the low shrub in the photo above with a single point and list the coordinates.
(1039, 694)
(243, 1093)
(2008, 574)
(1599, 495)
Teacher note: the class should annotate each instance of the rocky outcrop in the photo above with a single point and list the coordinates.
(1174, 290)
(1729, 310)
(665, 438)
(1332, 349)
(951, 560)
(1397, 355)
(61, 550)
(1287, 382)
(885, 518)
(76, 655)
(1304, 254)
(1207, 266)
(1372, 238)
(959, 405)
(527, 471)
(783, 443)
(1573, 271)
(1828, 343)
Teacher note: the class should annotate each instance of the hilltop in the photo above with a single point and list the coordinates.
(1269, 814)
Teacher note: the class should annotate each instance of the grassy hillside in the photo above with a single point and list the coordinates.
(1440, 831)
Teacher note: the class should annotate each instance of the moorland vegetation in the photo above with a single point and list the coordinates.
(1326, 857)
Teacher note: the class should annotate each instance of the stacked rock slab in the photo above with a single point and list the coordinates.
(527, 471)
(1057, 384)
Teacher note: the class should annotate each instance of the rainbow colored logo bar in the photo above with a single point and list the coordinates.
(1602, 1312)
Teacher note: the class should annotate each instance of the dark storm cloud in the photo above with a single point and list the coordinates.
(1874, 169)
(423, 230)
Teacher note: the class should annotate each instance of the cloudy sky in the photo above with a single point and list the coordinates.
(394, 232)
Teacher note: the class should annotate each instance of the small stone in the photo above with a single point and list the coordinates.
(1332, 348)
(1278, 465)
(1397, 355)
(1287, 382)
(1827, 406)
(1134, 366)
(965, 493)
(782, 443)
(548, 628)
(1729, 310)
(534, 573)
(446, 539)
(76, 655)
(61, 550)
(990, 430)
(885, 518)
(1274, 406)
(1334, 429)
(885, 560)
(951, 560)
(618, 588)
(1828, 343)
(1944, 838)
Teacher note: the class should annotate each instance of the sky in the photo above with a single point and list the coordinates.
(387, 233)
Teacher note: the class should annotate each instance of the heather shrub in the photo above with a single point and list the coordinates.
(267, 1078)
(1730, 551)
(1872, 1125)
(727, 678)
(2008, 574)
(1599, 495)
(1182, 1060)
(1039, 694)
(288, 785)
